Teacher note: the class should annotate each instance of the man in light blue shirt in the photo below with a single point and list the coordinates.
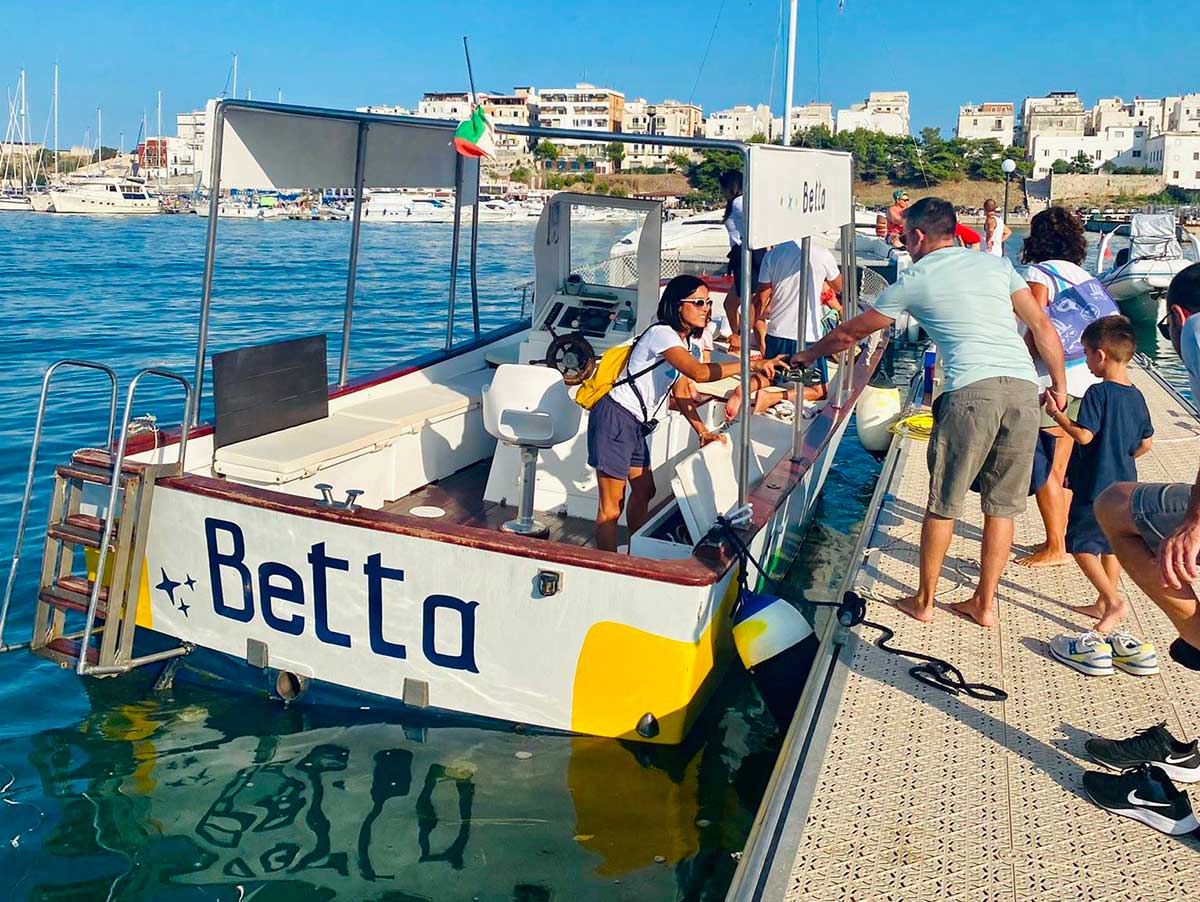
(987, 418)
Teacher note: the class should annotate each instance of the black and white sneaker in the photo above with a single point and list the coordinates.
(1144, 794)
(1178, 760)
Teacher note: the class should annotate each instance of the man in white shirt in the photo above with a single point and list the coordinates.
(779, 299)
(995, 231)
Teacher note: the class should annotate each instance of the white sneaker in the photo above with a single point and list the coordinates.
(1132, 655)
(1088, 653)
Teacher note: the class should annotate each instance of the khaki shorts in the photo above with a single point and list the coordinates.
(986, 429)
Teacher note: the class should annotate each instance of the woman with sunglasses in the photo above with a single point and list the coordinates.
(621, 421)
(1054, 251)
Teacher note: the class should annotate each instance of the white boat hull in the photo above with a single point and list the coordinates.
(78, 202)
(16, 204)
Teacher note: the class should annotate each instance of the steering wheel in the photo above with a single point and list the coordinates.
(573, 356)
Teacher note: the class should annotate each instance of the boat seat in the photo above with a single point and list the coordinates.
(348, 432)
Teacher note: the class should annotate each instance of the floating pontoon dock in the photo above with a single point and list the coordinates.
(888, 789)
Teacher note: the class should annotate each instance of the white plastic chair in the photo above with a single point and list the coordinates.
(528, 406)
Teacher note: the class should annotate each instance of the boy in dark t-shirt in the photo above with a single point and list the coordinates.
(1112, 431)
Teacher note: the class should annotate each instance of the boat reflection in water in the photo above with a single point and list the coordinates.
(156, 799)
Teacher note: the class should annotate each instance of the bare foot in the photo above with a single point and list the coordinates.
(1116, 613)
(1045, 558)
(733, 405)
(972, 609)
(1095, 610)
(915, 610)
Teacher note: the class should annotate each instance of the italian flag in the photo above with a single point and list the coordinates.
(475, 137)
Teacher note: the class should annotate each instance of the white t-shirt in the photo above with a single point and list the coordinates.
(996, 245)
(735, 222)
(654, 385)
(781, 268)
(1079, 377)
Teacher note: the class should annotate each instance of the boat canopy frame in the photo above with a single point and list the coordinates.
(300, 144)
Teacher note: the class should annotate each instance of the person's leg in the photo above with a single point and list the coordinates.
(612, 501)
(936, 533)
(997, 543)
(1109, 608)
(1004, 484)
(1053, 501)
(1115, 511)
(641, 490)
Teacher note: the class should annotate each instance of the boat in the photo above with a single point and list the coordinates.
(109, 195)
(17, 169)
(457, 574)
(1140, 274)
(253, 208)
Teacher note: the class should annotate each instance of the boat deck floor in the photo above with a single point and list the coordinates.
(460, 495)
(926, 795)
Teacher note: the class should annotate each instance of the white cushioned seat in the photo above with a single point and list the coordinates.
(356, 429)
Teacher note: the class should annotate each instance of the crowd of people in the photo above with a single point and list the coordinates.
(1036, 399)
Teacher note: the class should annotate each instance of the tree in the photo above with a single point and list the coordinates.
(1082, 164)
(1060, 167)
(546, 150)
(679, 161)
(615, 152)
(704, 175)
(520, 174)
(758, 138)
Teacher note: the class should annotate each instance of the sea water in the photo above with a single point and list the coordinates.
(113, 789)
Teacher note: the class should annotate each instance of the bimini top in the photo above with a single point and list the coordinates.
(269, 146)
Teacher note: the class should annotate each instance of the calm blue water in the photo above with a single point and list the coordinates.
(112, 790)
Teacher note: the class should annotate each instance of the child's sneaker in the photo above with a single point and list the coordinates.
(1088, 653)
(1132, 655)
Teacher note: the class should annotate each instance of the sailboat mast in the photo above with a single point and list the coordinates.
(24, 136)
(56, 121)
(791, 66)
(158, 144)
(235, 94)
(99, 139)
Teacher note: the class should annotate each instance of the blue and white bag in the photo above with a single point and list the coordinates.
(1073, 307)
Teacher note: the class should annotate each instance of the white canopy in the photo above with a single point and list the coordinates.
(1154, 235)
(277, 147)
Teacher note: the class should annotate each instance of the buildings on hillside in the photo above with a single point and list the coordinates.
(984, 121)
(882, 111)
(671, 117)
(739, 123)
(1177, 155)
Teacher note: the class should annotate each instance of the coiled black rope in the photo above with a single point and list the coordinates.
(935, 672)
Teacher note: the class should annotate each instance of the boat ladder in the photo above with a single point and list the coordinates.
(100, 507)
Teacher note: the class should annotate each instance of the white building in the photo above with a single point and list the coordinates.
(584, 107)
(671, 117)
(518, 108)
(1184, 114)
(741, 123)
(190, 129)
(1121, 146)
(979, 122)
(882, 111)
(385, 109)
(1142, 112)
(1178, 155)
(1058, 114)
(811, 115)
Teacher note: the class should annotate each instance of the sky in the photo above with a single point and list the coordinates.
(717, 52)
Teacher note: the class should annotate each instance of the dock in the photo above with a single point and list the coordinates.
(889, 789)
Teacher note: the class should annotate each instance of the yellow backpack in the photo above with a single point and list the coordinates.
(607, 375)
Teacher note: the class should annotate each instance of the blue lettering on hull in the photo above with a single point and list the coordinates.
(283, 598)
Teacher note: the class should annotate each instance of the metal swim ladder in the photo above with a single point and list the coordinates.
(106, 592)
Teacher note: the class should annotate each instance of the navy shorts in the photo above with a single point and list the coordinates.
(735, 267)
(777, 345)
(1084, 535)
(615, 442)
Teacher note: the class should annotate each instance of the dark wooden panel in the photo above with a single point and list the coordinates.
(267, 388)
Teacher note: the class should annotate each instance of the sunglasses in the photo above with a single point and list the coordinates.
(698, 302)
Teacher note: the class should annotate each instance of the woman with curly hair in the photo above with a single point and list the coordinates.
(1053, 252)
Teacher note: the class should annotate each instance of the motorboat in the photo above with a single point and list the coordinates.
(108, 195)
(422, 536)
(252, 208)
(1139, 274)
(15, 202)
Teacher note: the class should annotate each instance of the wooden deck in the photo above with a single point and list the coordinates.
(460, 495)
(916, 794)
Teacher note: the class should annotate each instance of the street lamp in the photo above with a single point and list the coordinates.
(1008, 166)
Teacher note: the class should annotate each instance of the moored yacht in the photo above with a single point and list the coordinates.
(458, 573)
(120, 195)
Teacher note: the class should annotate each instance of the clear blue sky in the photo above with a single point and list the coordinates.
(345, 54)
